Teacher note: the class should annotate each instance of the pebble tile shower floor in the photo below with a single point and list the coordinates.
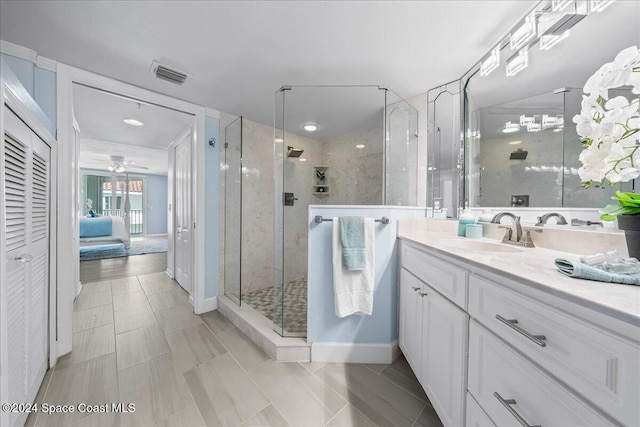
(294, 304)
(137, 340)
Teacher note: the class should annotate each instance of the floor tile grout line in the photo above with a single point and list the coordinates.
(402, 387)
(338, 413)
(419, 414)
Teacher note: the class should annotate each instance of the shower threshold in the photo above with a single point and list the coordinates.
(260, 330)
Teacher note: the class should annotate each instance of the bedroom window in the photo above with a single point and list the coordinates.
(105, 195)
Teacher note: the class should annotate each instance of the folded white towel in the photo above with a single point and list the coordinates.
(353, 289)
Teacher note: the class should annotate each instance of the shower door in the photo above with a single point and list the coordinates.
(295, 156)
(232, 172)
(339, 161)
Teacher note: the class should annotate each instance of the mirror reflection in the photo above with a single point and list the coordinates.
(521, 147)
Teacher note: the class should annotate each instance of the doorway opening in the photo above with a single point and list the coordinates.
(125, 152)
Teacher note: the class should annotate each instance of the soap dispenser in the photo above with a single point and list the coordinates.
(465, 219)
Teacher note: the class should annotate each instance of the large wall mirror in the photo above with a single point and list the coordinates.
(521, 146)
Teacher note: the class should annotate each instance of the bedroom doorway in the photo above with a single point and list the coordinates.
(125, 182)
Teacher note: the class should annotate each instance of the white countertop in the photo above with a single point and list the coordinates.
(535, 267)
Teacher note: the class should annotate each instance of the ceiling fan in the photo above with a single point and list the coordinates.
(118, 164)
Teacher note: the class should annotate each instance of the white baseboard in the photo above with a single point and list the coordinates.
(170, 274)
(354, 353)
(210, 304)
(78, 290)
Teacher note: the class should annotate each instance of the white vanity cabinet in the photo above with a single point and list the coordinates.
(433, 332)
(496, 351)
(444, 356)
(409, 337)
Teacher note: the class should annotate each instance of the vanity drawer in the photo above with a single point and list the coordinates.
(445, 278)
(507, 386)
(476, 417)
(599, 365)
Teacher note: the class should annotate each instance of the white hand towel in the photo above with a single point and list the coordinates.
(353, 289)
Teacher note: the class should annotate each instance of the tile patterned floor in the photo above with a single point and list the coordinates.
(181, 369)
(294, 304)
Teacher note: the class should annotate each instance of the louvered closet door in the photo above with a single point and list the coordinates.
(25, 315)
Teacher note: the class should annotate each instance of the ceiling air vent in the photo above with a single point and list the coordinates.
(169, 74)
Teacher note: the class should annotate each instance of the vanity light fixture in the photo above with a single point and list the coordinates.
(278, 140)
(491, 63)
(559, 5)
(310, 127)
(133, 122)
(599, 5)
(515, 142)
(534, 127)
(525, 120)
(551, 121)
(511, 127)
(360, 146)
(520, 37)
(302, 160)
(517, 62)
(548, 41)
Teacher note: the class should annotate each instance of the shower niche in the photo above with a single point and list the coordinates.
(321, 175)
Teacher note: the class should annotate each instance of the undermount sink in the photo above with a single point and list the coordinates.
(481, 246)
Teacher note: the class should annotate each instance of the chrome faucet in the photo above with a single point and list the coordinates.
(516, 220)
(542, 220)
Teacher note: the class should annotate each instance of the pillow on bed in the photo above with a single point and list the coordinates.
(96, 227)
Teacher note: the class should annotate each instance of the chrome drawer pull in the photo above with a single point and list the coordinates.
(513, 324)
(422, 294)
(507, 404)
(415, 288)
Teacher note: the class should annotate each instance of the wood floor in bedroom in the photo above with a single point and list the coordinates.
(115, 268)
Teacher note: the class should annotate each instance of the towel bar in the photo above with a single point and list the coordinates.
(318, 219)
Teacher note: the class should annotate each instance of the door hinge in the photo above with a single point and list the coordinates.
(194, 225)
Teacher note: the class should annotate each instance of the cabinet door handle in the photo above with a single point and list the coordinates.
(507, 404)
(422, 294)
(513, 324)
(415, 288)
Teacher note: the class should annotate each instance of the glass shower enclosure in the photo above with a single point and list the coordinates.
(333, 145)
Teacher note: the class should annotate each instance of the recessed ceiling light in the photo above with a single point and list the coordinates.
(302, 160)
(360, 146)
(515, 142)
(278, 140)
(310, 127)
(133, 122)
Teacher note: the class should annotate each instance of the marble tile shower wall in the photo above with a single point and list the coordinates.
(355, 174)
(539, 175)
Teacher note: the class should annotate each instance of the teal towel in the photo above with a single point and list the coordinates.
(580, 270)
(352, 242)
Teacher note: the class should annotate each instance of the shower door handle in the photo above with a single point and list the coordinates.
(289, 199)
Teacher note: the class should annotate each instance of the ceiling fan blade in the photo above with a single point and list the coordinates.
(138, 167)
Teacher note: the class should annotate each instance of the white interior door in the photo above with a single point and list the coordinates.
(24, 320)
(183, 224)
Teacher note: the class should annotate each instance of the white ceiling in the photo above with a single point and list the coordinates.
(103, 133)
(240, 52)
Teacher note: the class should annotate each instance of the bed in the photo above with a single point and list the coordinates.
(103, 230)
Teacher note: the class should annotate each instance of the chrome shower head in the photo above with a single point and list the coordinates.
(294, 152)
